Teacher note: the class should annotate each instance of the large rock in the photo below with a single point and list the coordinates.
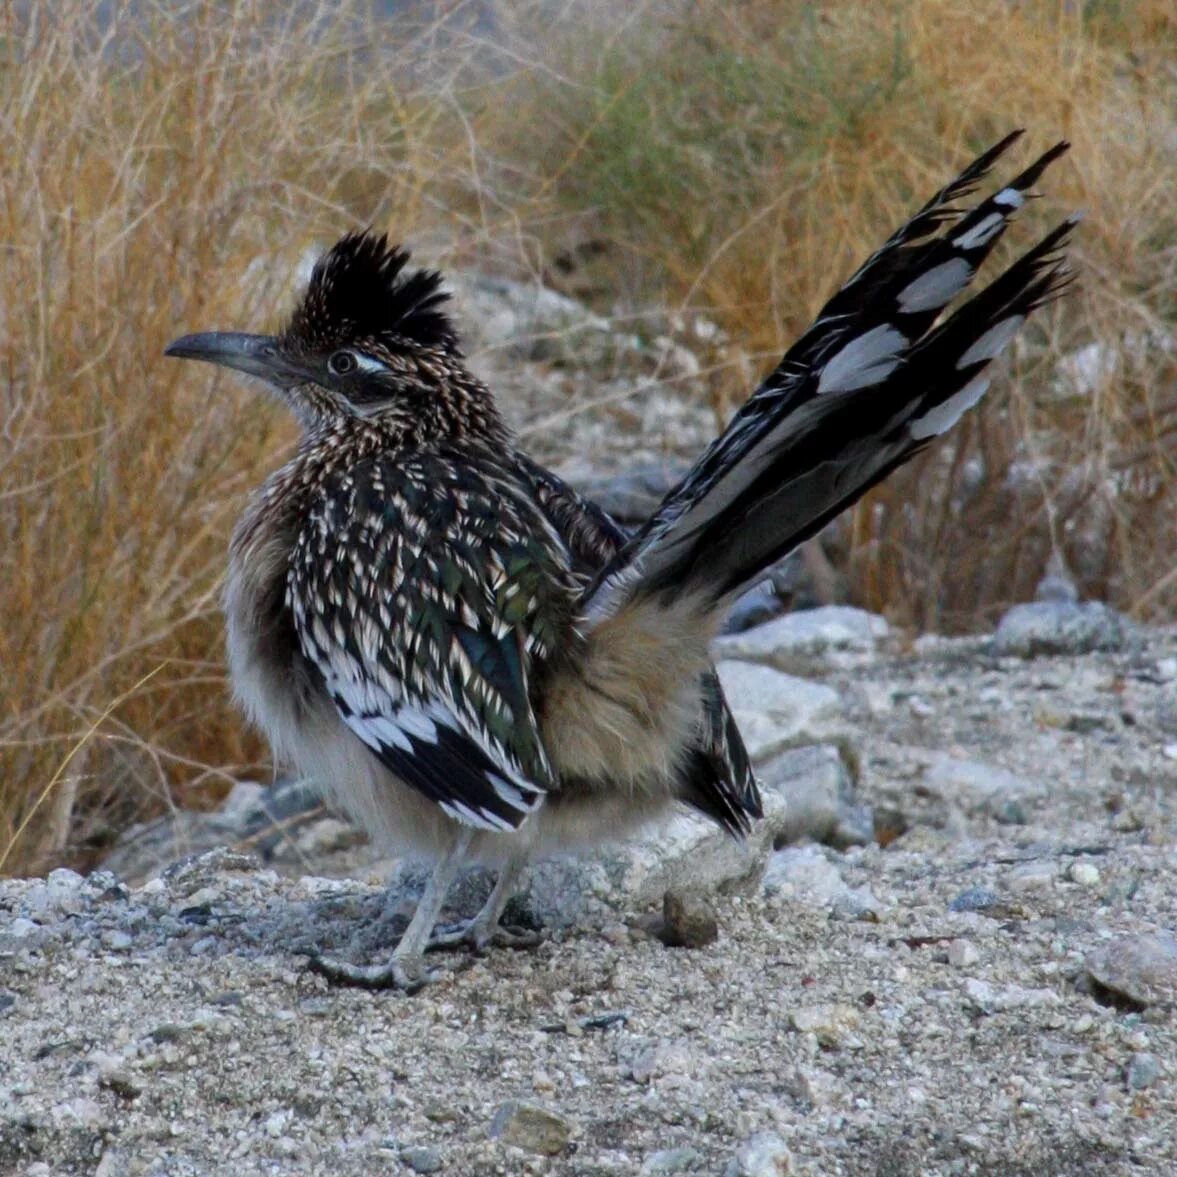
(809, 793)
(797, 640)
(979, 788)
(1060, 627)
(633, 496)
(805, 875)
(685, 853)
(777, 711)
(1136, 970)
(533, 1128)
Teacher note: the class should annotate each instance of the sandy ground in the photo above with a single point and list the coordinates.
(997, 998)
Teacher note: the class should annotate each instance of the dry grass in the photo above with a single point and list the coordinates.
(165, 171)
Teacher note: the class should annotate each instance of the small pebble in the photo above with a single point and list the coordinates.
(1086, 874)
(421, 1158)
(1139, 969)
(663, 1058)
(531, 1127)
(975, 899)
(1010, 813)
(832, 1024)
(1031, 876)
(763, 1155)
(1142, 1071)
(962, 953)
(688, 920)
(668, 1160)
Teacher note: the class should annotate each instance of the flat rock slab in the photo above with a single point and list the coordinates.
(777, 711)
(796, 641)
(978, 787)
(1061, 627)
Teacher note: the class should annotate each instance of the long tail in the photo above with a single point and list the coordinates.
(868, 386)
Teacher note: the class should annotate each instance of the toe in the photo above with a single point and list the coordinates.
(408, 976)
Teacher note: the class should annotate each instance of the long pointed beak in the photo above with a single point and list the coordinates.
(257, 355)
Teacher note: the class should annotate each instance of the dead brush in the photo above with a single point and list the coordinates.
(744, 159)
(156, 162)
(162, 165)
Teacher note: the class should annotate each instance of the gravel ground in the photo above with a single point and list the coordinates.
(999, 998)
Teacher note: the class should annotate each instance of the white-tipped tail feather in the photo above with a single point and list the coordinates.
(879, 374)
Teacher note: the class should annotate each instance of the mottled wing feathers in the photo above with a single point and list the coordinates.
(589, 532)
(423, 590)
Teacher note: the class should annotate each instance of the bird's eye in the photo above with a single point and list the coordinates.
(341, 363)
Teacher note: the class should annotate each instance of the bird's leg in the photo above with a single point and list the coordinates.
(405, 968)
(483, 930)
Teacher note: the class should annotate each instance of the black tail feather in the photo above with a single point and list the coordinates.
(868, 386)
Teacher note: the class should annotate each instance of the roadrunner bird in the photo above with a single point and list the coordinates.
(475, 661)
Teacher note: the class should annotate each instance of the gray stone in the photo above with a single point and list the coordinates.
(688, 920)
(833, 1024)
(1010, 812)
(980, 788)
(808, 793)
(532, 322)
(805, 875)
(1057, 590)
(1060, 627)
(758, 605)
(963, 954)
(777, 711)
(326, 835)
(63, 891)
(242, 803)
(630, 498)
(662, 1059)
(669, 1160)
(763, 1155)
(1142, 1071)
(683, 853)
(976, 899)
(421, 1158)
(532, 1127)
(1031, 876)
(1140, 969)
(798, 639)
(993, 999)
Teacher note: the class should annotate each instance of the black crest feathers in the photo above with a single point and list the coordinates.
(360, 289)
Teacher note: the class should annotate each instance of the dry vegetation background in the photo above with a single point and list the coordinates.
(166, 163)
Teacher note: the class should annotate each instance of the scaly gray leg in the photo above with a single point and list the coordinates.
(483, 930)
(405, 969)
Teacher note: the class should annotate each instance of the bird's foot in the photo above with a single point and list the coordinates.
(478, 935)
(408, 974)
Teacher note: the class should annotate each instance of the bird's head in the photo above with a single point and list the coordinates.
(369, 338)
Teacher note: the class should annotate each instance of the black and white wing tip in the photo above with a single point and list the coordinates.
(427, 747)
